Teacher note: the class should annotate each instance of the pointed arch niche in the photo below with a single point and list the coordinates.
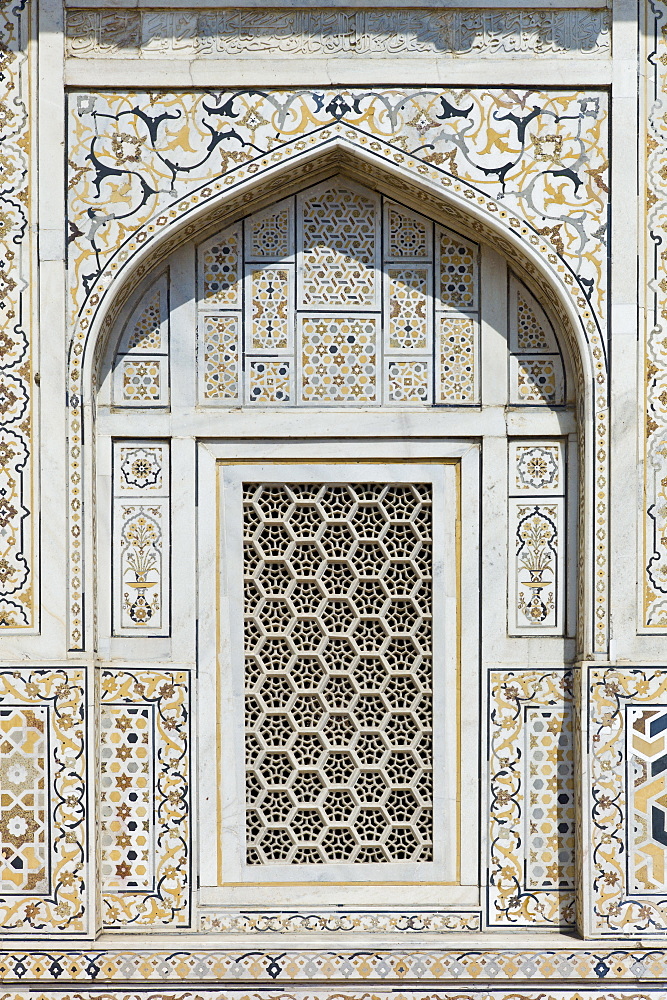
(337, 451)
(433, 193)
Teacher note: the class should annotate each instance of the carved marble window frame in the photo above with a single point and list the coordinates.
(309, 885)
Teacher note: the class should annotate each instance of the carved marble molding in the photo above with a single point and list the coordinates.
(321, 31)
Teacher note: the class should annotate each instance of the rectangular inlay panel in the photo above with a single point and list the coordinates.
(23, 819)
(126, 796)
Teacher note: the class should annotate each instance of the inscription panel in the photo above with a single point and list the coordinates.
(321, 31)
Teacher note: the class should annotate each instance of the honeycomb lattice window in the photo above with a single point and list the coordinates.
(338, 676)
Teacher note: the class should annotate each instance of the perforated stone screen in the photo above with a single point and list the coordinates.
(338, 676)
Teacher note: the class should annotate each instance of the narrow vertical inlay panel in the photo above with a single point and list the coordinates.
(141, 364)
(126, 796)
(338, 677)
(219, 356)
(550, 819)
(457, 376)
(458, 272)
(144, 785)
(408, 309)
(537, 375)
(270, 301)
(220, 271)
(141, 538)
(23, 817)
(531, 798)
(537, 537)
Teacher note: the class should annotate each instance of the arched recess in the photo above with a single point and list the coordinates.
(127, 426)
(426, 189)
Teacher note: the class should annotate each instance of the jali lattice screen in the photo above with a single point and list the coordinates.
(337, 581)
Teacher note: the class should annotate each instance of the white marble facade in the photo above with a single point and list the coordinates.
(332, 499)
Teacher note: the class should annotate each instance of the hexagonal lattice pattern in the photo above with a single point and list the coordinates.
(337, 581)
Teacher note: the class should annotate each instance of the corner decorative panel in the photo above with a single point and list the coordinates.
(145, 797)
(628, 795)
(141, 365)
(537, 542)
(536, 366)
(43, 802)
(141, 539)
(18, 595)
(531, 798)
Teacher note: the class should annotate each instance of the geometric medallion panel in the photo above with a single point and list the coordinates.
(647, 800)
(337, 296)
(145, 797)
(43, 810)
(337, 582)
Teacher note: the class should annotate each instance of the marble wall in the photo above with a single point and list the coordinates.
(133, 136)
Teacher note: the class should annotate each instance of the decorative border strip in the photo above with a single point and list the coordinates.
(62, 692)
(385, 994)
(17, 592)
(167, 692)
(370, 921)
(653, 613)
(611, 692)
(478, 965)
(122, 155)
(510, 901)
